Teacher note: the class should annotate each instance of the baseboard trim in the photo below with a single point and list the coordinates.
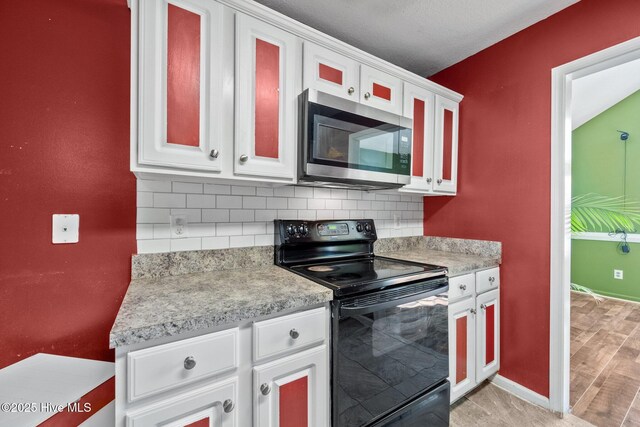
(521, 391)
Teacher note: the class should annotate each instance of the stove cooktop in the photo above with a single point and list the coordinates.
(368, 273)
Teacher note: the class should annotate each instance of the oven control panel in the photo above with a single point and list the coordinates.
(323, 231)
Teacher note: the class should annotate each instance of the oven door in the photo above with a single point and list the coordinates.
(339, 143)
(388, 348)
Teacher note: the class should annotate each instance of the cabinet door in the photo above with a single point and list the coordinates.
(446, 146)
(181, 106)
(462, 345)
(380, 90)
(211, 406)
(419, 106)
(292, 391)
(329, 72)
(488, 330)
(268, 77)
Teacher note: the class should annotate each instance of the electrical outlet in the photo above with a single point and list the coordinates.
(179, 225)
(618, 274)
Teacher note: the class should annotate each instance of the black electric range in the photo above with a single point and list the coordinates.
(389, 343)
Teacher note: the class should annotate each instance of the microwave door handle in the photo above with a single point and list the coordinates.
(378, 306)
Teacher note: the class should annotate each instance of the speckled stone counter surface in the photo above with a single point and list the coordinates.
(460, 256)
(166, 306)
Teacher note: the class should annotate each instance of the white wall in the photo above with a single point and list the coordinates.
(223, 216)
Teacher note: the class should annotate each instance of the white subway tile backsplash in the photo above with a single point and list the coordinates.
(215, 242)
(152, 215)
(316, 203)
(241, 241)
(222, 216)
(215, 215)
(230, 202)
(153, 186)
(203, 201)
(254, 202)
(244, 215)
(287, 191)
(187, 187)
(144, 199)
(169, 200)
(243, 191)
(192, 244)
(297, 203)
(304, 192)
(217, 189)
(229, 229)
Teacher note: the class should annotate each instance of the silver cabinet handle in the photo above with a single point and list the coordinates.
(265, 389)
(351, 90)
(463, 287)
(244, 158)
(429, 180)
(189, 363)
(294, 334)
(367, 95)
(492, 279)
(214, 154)
(472, 311)
(439, 181)
(228, 405)
(483, 306)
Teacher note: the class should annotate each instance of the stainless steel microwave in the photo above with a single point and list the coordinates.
(347, 144)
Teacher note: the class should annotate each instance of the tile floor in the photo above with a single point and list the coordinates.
(605, 361)
(492, 406)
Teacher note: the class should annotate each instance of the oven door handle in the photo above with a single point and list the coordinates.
(383, 305)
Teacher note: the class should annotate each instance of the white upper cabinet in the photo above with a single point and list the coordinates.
(446, 146)
(181, 115)
(330, 72)
(419, 107)
(268, 78)
(380, 90)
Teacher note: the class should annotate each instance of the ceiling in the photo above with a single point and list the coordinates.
(423, 36)
(597, 92)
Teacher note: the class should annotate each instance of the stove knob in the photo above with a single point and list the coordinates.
(359, 228)
(304, 230)
(367, 227)
(291, 230)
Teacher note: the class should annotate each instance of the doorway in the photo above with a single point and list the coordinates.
(563, 81)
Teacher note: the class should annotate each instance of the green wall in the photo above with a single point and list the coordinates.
(599, 167)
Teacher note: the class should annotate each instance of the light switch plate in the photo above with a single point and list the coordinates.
(65, 228)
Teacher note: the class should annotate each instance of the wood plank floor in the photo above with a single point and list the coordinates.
(605, 361)
(491, 406)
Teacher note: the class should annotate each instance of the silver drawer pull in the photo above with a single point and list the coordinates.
(429, 180)
(492, 279)
(189, 363)
(483, 306)
(228, 405)
(472, 311)
(439, 181)
(367, 95)
(294, 334)
(351, 90)
(244, 158)
(214, 154)
(265, 389)
(463, 287)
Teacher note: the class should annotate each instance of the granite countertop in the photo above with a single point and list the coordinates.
(457, 263)
(165, 306)
(180, 292)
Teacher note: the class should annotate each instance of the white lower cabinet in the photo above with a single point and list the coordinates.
(474, 330)
(292, 391)
(268, 373)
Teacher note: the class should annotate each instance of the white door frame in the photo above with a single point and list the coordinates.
(560, 280)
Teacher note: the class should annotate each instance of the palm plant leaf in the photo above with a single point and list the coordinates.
(595, 212)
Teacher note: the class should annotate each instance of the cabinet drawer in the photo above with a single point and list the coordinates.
(487, 280)
(160, 368)
(461, 287)
(279, 335)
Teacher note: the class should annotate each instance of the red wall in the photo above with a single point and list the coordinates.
(64, 148)
(504, 164)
